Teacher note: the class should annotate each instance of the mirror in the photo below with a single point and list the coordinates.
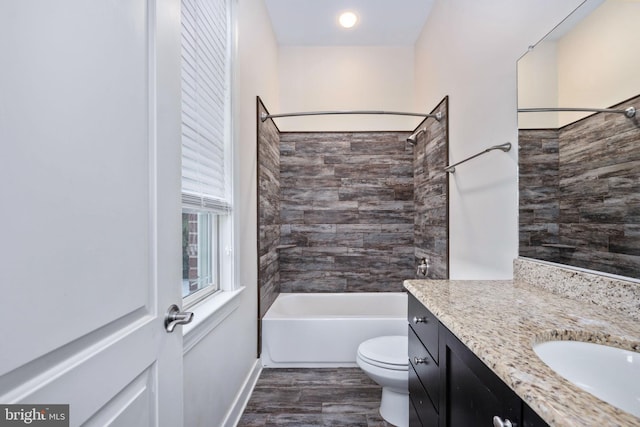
(579, 171)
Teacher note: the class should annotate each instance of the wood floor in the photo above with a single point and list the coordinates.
(314, 397)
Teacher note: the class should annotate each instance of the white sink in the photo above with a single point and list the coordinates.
(609, 373)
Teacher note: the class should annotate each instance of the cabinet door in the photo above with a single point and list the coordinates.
(474, 394)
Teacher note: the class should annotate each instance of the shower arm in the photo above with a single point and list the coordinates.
(413, 138)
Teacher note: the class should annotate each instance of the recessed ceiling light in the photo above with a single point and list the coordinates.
(348, 19)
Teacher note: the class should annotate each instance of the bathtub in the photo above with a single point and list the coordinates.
(324, 330)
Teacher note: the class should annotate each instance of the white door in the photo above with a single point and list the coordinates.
(90, 208)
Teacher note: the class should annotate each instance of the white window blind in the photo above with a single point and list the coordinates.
(205, 105)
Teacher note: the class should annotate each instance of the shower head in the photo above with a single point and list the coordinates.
(412, 139)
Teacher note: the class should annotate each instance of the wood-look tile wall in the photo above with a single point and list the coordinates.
(268, 211)
(346, 202)
(598, 194)
(431, 201)
(347, 205)
(538, 184)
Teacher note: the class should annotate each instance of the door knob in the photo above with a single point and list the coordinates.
(174, 317)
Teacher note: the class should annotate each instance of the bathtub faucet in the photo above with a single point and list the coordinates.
(423, 267)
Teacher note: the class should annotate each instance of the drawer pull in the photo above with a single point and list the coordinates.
(419, 360)
(497, 422)
(417, 319)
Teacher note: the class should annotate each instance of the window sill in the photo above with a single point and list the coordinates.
(208, 314)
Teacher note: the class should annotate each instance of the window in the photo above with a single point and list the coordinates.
(206, 149)
(199, 251)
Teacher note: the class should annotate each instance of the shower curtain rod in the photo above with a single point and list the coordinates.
(502, 147)
(264, 116)
(628, 112)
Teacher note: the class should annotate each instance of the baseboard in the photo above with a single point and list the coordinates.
(242, 398)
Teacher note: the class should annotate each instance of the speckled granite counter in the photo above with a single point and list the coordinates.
(500, 320)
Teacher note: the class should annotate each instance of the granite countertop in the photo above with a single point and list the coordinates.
(500, 320)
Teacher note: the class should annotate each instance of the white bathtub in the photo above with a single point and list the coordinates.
(324, 330)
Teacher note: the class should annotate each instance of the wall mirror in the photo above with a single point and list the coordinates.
(579, 163)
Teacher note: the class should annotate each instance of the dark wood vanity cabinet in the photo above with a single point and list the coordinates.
(424, 369)
(449, 386)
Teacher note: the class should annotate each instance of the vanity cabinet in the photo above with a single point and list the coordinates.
(449, 386)
(424, 369)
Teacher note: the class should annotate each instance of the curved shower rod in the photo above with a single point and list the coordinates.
(265, 116)
(629, 112)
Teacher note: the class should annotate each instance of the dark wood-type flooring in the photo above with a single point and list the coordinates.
(314, 397)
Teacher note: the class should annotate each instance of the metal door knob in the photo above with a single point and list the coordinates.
(174, 317)
(419, 360)
(497, 422)
(417, 319)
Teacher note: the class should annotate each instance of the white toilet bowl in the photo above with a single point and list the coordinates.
(384, 360)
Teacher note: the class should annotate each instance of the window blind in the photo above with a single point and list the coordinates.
(205, 105)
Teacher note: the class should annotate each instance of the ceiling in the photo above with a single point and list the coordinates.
(315, 22)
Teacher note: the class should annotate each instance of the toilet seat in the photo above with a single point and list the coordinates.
(388, 352)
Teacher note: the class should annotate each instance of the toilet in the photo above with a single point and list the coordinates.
(385, 360)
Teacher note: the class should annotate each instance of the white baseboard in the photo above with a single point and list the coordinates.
(242, 398)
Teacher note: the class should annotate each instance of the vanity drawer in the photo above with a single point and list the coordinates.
(425, 325)
(425, 368)
(426, 413)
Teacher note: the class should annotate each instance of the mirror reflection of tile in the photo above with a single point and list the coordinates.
(579, 186)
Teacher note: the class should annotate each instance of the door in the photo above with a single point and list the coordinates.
(90, 208)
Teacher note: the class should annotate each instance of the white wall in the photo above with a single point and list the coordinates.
(538, 86)
(598, 60)
(468, 50)
(319, 78)
(216, 369)
(591, 65)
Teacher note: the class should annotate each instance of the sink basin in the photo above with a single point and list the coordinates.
(609, 373)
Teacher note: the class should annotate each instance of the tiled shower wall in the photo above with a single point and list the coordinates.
(347, 205)
(431, 184)
(539, 185)
(268, 210)
(338, 211)
(580, 188)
